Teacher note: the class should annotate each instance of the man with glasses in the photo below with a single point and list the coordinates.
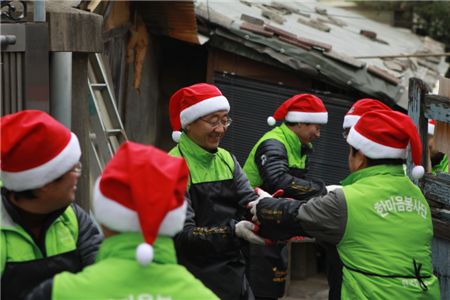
(279, 162)
(210, 244)
(42, 231)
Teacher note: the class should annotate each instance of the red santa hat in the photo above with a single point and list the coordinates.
(431, 125)
(301, 108)
(193, 102)
(359, 108)
(386, 134)
(35, 150)
(142, 190)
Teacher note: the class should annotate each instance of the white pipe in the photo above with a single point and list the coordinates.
(39, 11)
(61, 87)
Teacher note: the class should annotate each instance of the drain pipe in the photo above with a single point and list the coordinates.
(39, 11)
(60, 76)
(61, 87)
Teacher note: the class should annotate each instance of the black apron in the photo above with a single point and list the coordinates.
(215, 204)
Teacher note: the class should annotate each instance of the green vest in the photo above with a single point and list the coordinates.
(388, 225)
(204, 166)
(292, 145)
(16, 245)
(442, 166)
(117, 275)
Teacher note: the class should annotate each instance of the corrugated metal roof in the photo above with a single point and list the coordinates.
(339, 35)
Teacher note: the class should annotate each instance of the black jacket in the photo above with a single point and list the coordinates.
(208, 246)
(276, 174)
(19, 277)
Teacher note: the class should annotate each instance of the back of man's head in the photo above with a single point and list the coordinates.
(386, 135)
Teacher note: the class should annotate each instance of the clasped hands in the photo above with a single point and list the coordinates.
(248, 230)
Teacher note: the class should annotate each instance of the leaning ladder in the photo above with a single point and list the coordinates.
(106, 131)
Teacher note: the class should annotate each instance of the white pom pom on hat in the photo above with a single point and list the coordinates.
(271, 121)
(144, 254)
(176, 135)
(418, 172)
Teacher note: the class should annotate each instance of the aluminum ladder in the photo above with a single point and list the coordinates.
(106, 131)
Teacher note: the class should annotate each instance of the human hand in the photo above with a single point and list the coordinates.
(252, 205)
(247, 231)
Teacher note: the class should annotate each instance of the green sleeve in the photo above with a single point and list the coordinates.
(2, 251)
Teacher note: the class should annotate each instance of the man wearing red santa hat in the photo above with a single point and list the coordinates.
(379, 220)
(210, 244)
(139, 202)
(279, 160)
(42, 231)
(359, 108)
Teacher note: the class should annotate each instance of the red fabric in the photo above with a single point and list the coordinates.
(146, 180)
(300, 103)
(393, 129)
(30, 138)
(188, 96)
(366, 105)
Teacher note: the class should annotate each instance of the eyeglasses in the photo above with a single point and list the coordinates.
(77, 168)
(215, 122)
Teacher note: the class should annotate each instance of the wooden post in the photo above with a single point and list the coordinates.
(417, 90)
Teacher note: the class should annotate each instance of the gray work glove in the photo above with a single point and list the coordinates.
(246, 230)
(333, 187)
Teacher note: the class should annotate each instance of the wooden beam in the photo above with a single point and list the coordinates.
(437, 108)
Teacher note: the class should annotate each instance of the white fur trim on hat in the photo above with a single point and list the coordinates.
(307, 117)
(203, 108)
(350, 121)
(46, 173)
(431, 129)
(120, 218)
(174, 221)
(373, 149)
(144, 254)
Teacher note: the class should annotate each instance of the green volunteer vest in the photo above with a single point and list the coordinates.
(442, 166)
(117, 275)
(16, 245)
(290, 141)
(388, 225)
(204, 166)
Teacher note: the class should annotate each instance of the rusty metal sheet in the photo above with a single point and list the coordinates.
(383, 74)
(280, 32)
(172, 18)
(256, 29)
(295, 42)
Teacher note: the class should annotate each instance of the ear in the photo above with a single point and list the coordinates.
(361, 160)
